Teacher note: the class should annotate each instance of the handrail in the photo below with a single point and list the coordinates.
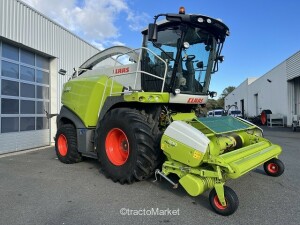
(137, 71)
(140, 71)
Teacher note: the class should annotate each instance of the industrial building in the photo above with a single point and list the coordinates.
(32, 51)
(278, 90)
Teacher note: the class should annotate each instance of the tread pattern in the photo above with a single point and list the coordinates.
(72, 156)
(144, 138)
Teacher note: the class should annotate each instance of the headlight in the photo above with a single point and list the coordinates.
(186, 45)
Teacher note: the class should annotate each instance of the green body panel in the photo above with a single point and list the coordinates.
(184, 116)
(242, 163)
(195, 185)
(224, 158)
(148, 97)
(181, 152)
(83, 95)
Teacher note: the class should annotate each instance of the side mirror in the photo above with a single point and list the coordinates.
(213, 94)
(200, 64)
(220, 58)
(152, 32)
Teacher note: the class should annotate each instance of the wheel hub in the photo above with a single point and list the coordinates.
(218, 203)
(124, 145)
(273, 168)
(117, 147)
(62, 145)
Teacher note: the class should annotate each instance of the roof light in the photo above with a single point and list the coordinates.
(200, 20)
(181, 10)
(177, 91)
(186, 45)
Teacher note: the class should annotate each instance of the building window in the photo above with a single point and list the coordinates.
(27, 73)
(9, 124)
(24, 89)
(10, 52)
(9, 69)
(10, 88)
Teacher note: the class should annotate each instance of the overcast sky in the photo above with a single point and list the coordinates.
(263, 32)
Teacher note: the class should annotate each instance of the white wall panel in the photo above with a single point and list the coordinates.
(282, 95)
(25, 140)
(293, 66)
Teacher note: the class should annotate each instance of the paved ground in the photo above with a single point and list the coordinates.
(35, 188)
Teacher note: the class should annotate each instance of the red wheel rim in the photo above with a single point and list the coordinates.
(273, 168)
(117, 147)
(62, 145)
(218, 203)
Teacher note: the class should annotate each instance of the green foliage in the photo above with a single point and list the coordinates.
(219, 103)
(227, 91)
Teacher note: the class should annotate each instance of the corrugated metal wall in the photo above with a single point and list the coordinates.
(27, 28)
(24, 25)
(293, 66)
(297, 95)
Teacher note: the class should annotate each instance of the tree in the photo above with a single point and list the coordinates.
(225, 92)
(212, 104)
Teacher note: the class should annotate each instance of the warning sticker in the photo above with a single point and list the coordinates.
(197, 155)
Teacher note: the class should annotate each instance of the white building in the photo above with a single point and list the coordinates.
(278, 90)
(32, 51)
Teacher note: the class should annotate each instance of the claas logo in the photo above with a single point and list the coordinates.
(121, 70)
(195, 100)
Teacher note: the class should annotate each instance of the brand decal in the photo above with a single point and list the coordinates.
(121, 70)
(67, 89)
(171, 143)
(195, 100)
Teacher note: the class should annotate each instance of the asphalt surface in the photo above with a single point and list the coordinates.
(35, 188)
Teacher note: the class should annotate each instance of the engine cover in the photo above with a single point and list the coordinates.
(184, 143)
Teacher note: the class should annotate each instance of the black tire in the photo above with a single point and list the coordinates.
(138, 138)
(231, 198)
(274, 167)
(66, 144)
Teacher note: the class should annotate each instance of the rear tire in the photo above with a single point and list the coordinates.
(232, 202)
(66, 144)
(128, 145)
(274, 167)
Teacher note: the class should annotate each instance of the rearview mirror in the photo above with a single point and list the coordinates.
(200, 64)
(152, 32)
(213, 94)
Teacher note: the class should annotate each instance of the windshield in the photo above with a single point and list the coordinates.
(194, 70)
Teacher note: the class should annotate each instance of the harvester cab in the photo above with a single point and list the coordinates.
(190, 45)
(134, 111)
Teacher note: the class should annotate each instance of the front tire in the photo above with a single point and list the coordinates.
(232, 202)
(66, 144)
(128, 145)
(274, 167)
